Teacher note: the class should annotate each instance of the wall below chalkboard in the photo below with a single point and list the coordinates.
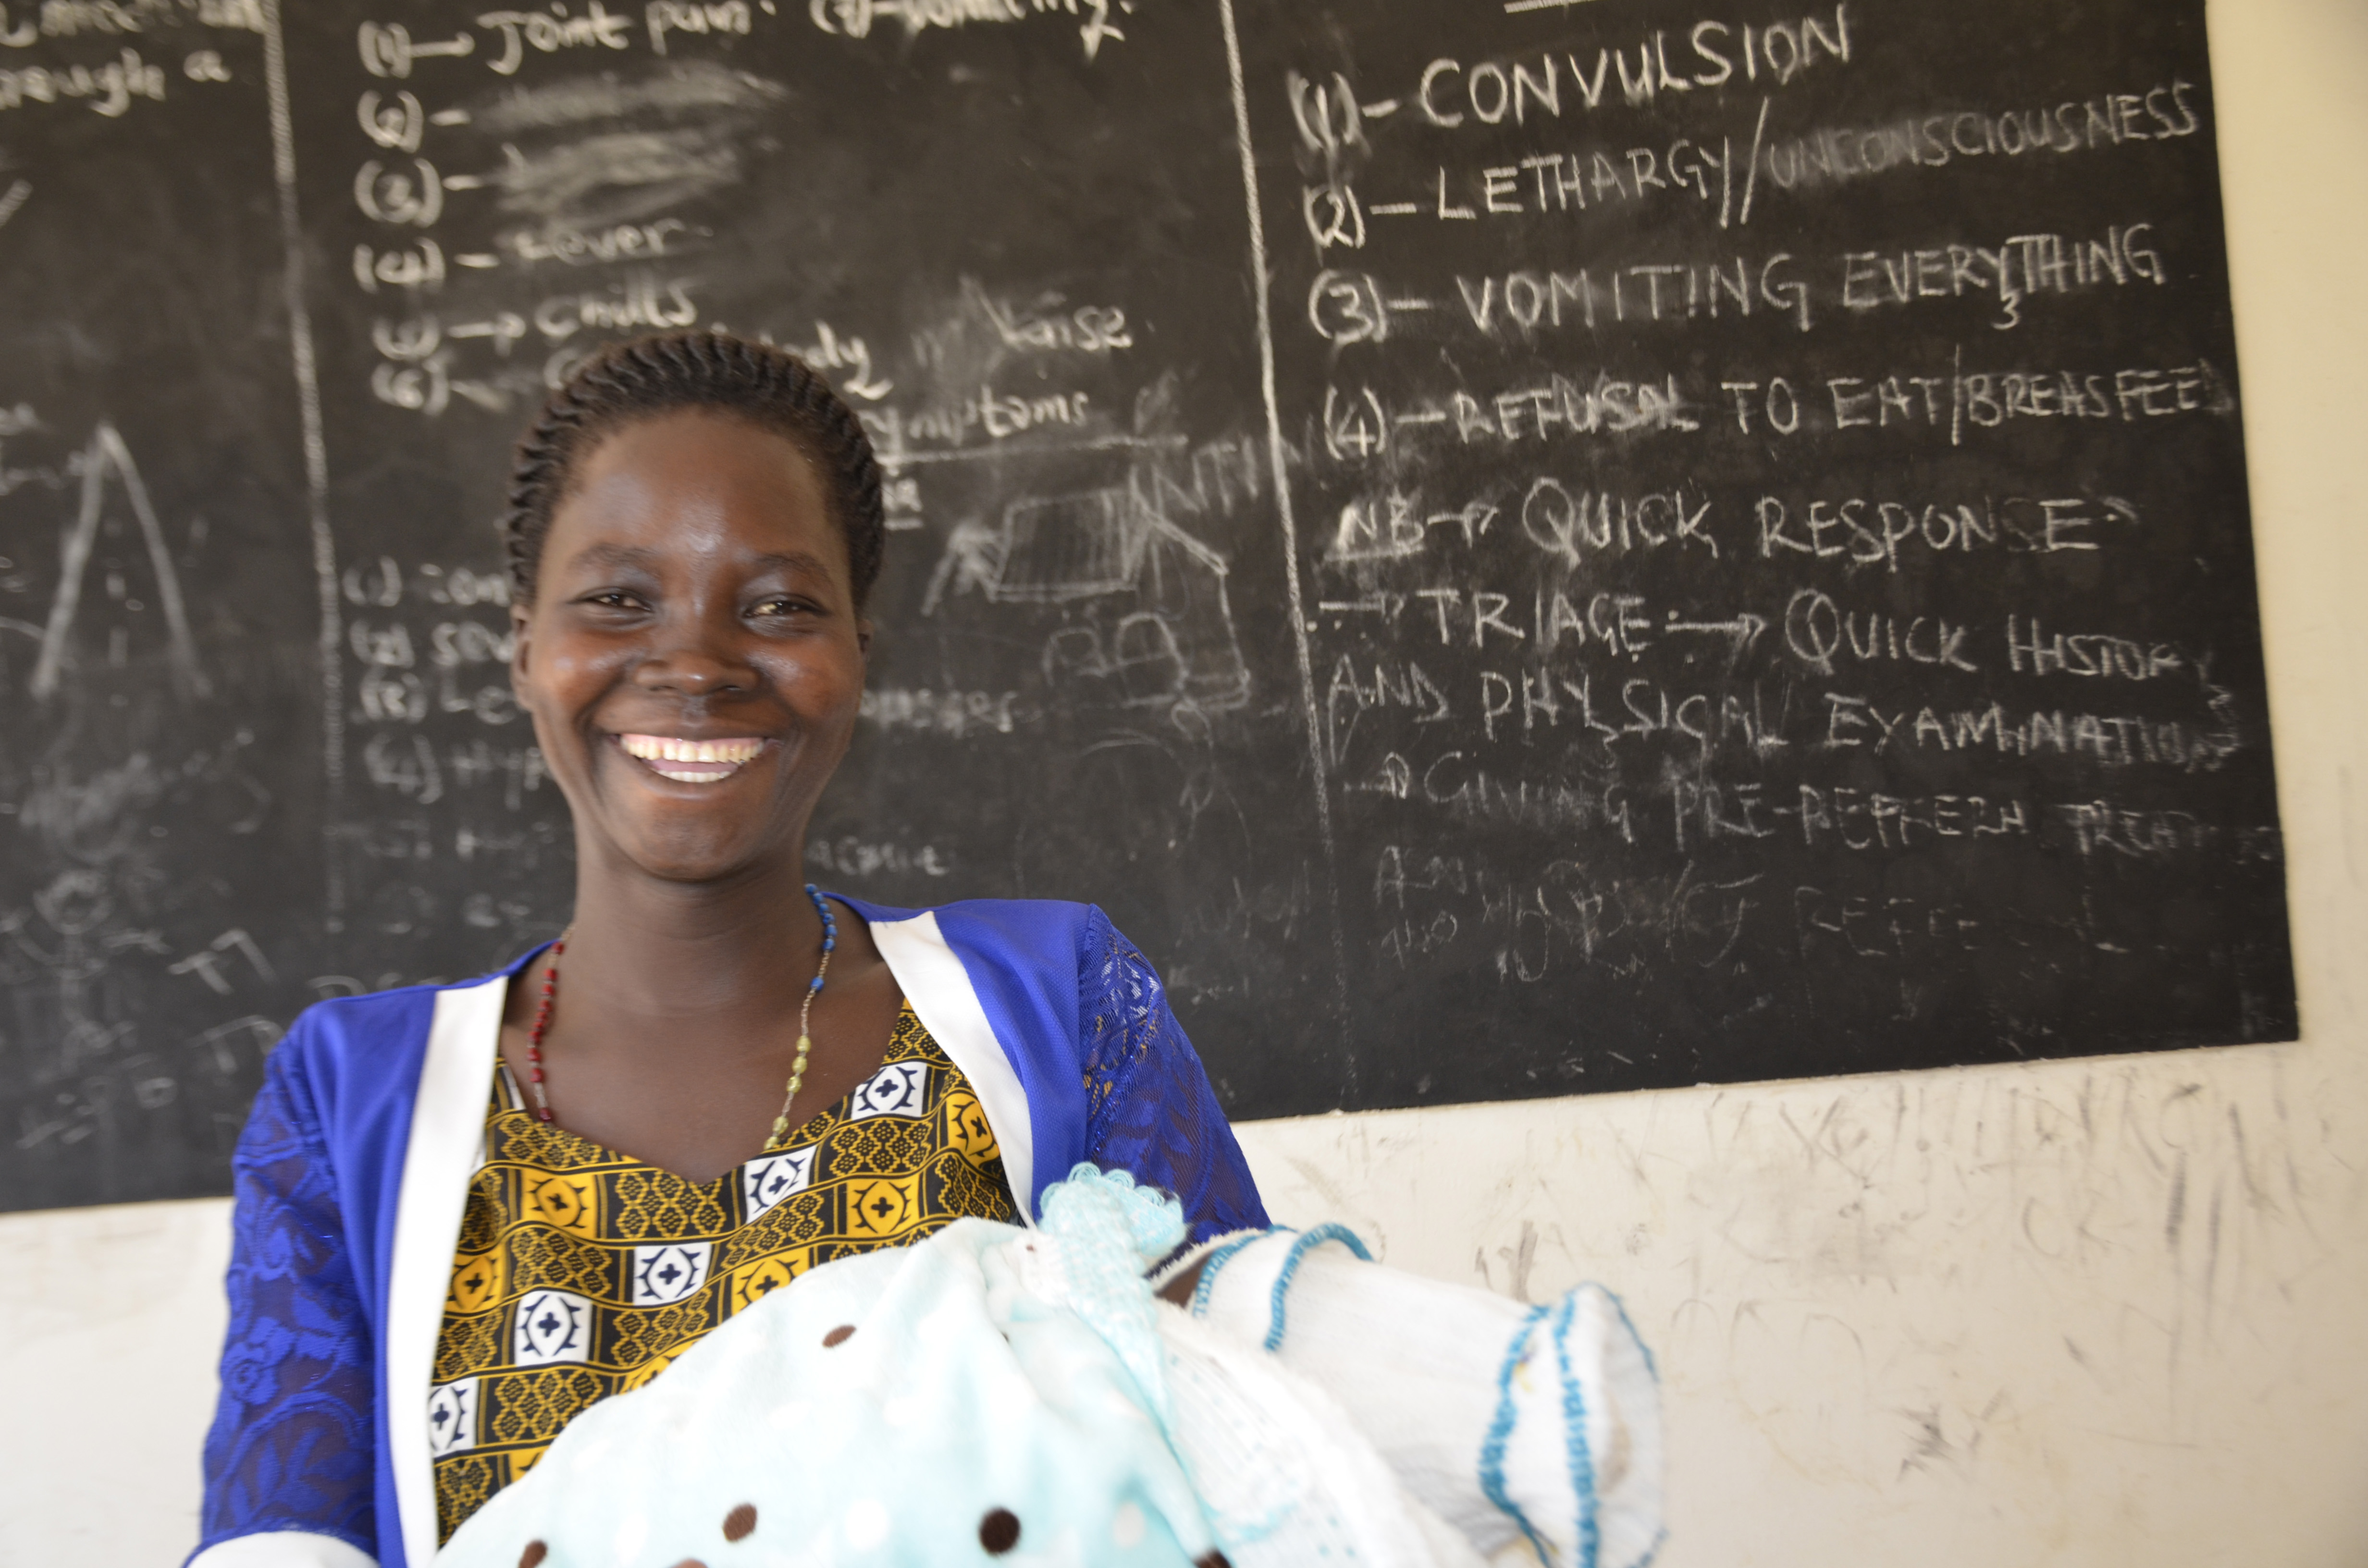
(1541, 548)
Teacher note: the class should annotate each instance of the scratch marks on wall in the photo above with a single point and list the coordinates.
(1515, 1261)
(1822, 1262)
(2169, 1221)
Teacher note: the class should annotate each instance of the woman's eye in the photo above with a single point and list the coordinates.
(775, 607)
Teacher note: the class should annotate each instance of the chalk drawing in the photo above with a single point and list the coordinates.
(329, 652)
(1318, 765)
(1169, 636)
(106, 455)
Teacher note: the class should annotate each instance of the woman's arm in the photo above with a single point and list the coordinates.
(289, 1461)
(1150, 1111)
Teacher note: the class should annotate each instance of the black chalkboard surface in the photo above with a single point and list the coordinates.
(160, 902)
(1772, 536)
(1517, 548)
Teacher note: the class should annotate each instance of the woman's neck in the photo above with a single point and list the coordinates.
(678, 1011)
(651, 950)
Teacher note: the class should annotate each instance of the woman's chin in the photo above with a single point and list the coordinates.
(693, 852)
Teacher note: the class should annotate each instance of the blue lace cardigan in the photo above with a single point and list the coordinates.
(354, 1165)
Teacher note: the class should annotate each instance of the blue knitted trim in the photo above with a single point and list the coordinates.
(1574, 1419)
(1661, 1537)
(1646, 1350)
(1218, 1257)
(1501, 1429)
(1299, 1249)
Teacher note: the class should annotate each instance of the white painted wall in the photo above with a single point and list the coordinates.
(110, 1324)
(2083, 1314)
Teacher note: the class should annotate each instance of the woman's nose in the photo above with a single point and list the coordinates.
(696, 667)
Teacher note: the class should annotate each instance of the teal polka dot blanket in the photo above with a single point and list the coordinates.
(1010, 1397)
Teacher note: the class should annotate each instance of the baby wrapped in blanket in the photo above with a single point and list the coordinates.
(994, 1394)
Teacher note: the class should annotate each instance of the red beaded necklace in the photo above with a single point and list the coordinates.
(542, 1025)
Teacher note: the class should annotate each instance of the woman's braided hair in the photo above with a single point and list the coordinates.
(770, 387)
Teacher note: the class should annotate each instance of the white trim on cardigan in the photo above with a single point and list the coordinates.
(284, 1549)
(940, 990)
(447, 1145)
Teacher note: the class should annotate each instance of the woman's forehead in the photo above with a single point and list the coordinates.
(685, 446)
(698, 483)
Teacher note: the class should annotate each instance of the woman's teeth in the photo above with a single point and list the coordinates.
(692, 762)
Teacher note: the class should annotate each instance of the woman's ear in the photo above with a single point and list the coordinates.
(863, 635)
(521, 645)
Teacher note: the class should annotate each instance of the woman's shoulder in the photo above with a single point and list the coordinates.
(370, 1034)
(1015, 909)
(1049, 925)
(1057, 939)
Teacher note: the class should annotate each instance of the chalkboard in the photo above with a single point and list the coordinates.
(1517, 548)
(160, 902)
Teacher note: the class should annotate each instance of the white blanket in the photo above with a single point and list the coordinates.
(1008, 1396)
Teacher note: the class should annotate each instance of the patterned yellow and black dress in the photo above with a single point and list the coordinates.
(582, 1273)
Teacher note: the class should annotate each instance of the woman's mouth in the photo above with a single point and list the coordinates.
(692, 762)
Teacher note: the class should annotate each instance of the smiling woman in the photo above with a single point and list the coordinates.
(467, 1213)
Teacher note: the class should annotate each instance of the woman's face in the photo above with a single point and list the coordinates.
(693, 660)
